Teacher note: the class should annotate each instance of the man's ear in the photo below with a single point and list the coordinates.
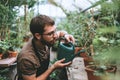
(37, 35)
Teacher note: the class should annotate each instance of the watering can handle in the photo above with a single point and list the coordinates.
(62, 38)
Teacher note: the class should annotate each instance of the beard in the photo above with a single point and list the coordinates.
(49, 44)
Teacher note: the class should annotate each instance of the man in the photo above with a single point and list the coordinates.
(33, 60)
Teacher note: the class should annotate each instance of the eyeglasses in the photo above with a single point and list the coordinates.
(50, 34)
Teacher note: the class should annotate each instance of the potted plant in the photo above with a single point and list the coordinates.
(105, 63)
(6, 49)
(107, 48)
(3, 49)
(1, 52)
(106, 41)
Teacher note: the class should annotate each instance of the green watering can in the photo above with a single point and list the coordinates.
(67, 51)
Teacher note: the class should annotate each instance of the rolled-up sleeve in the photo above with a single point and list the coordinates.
(27, 67)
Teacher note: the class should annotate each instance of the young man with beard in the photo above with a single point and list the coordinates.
(33, 60)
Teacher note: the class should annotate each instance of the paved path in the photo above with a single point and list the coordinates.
(77, 70)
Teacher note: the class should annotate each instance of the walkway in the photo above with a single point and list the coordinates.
(77, 70)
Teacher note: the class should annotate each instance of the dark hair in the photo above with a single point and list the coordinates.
(39, 22)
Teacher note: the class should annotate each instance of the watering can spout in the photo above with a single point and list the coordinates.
(67, 51)
(78, 53)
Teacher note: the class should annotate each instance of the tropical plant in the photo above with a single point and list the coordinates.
(82, 26)
(108, 31)
(107, 39)
(12, 26)
(8, 14)
(4, 46)
(3, 78)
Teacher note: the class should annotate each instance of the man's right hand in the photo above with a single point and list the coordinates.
(61, 64)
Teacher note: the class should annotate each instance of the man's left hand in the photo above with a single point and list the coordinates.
(69, 38)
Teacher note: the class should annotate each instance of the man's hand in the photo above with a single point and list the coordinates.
(69, 38)
(61, 64)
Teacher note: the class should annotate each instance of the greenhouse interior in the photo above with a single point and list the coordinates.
(59, 39)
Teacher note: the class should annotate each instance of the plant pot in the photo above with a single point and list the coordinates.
(12, 53)
(90, 72)
(1, 55)
(109, 69)
(91, 69)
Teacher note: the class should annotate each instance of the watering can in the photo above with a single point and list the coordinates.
(67, 51)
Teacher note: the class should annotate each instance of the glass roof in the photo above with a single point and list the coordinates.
(45, 7)
(76, 4)
(69, 5)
